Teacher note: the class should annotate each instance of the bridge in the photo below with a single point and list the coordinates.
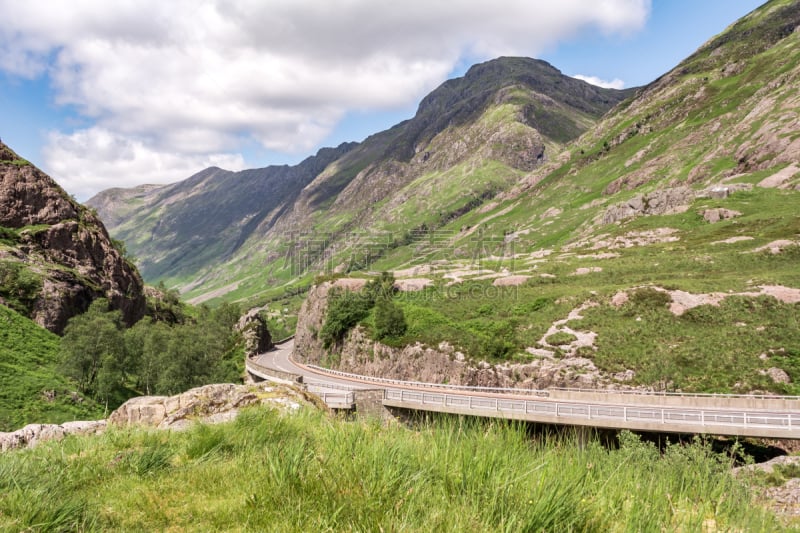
(766, 416)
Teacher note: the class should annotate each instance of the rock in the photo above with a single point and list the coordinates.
(551, 212)
(582, 271)
(67, 245)
(33, 434)
(210, 404)
(715, 215)
(778, 375)
(776, 247)
(510, 281)
(255, 333)
(660, 202)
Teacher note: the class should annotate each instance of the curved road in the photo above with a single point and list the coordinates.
(280, 358)
(738, 415)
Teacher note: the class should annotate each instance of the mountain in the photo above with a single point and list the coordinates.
(220, 232)
(56, 256)
(658, 250)
(176, 229)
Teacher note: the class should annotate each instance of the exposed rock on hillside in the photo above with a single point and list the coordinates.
(208, 404)
(33, 434)
(64, 245)
(255, 333)
(441, 364)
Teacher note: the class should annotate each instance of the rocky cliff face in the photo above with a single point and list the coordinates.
(63, 246)
(440, 364)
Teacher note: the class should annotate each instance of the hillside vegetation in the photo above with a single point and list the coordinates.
(674, 221)
(308, 472)
(32, 389)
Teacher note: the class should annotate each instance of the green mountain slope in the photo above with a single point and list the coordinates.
(178, 229)
(472, 137)
(32, 390)
(659, 249)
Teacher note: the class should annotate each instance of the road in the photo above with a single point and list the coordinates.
(736, 415)
(280, 358)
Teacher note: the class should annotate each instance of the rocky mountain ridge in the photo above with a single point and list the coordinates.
(502, 119)
(56, 256)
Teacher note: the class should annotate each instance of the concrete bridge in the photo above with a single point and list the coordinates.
(767, 416)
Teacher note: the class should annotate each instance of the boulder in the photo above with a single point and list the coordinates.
(715, 215)
(210, 404)
(33, 434)
(254, 330)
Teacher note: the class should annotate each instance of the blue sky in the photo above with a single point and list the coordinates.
(102, 94)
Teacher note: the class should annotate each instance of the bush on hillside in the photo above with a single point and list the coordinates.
(345, 310)
(390, 321)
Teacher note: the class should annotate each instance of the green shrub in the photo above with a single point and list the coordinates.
(390, 321)
(19, 286)
(345, 310)
(560, 338)
(649, 298)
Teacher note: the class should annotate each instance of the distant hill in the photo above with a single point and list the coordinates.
(471, 138)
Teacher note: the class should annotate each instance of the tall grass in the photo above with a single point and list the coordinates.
(307, 472)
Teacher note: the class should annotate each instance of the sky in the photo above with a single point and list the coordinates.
(102, 93)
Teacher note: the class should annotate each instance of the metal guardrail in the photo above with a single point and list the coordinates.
(422, 384)
(337, 399)
(546, 392)
(321, 385)
(668, 416)
(677, 394)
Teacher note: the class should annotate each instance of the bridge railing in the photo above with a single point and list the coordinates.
(638, 392)
(422, 384)
(788, 421)
(545, 392)
(334, 399)
(321, 385)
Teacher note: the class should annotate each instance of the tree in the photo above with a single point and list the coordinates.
(390, 321)
(345, 310)
(93, 353)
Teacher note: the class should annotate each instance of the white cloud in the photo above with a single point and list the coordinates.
(196, 77)
(93, 159)
(616, 83)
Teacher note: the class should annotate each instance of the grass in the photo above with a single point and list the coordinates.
(31, 388)
(307, 472)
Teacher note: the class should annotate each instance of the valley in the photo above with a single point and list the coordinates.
(524, 230)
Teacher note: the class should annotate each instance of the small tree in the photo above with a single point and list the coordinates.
(93, 352)
(390, 321)
(345, 310)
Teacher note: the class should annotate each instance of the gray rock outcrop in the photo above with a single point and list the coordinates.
(254, 330)
(210, 404)
(33, 434)
(712, 216)
(66, 245)
(660, 202)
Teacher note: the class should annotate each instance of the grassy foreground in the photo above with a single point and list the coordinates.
(307, 472)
